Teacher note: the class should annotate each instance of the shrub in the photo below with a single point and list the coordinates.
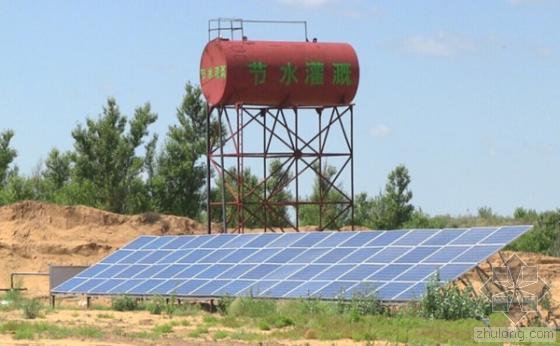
(124, 303)
(155, 306)
(31, 308)
(223, 304)
(251, 307)
(451, 303)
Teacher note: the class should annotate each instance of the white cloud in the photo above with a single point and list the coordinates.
(439, 45)
(307, 3)
(380, 131)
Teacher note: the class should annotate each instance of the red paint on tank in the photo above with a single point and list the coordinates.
(274, 73)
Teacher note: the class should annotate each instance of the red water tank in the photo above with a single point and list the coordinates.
(285, 74)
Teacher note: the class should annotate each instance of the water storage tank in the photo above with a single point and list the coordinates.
(286, 74)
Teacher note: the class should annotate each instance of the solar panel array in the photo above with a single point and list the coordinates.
(396, 265)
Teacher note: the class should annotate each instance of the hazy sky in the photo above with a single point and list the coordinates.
(466, 93)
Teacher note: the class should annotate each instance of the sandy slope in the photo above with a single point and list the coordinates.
(34, 235)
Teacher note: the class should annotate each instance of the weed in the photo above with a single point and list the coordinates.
(223, 304)
(263, 325)
(452, 303)
(124, 303)
(163, 328)
(106, 316)
(25, 330)
(198, 331)
(220, 334)
(155, 305)
(210, 320)
(31, 308)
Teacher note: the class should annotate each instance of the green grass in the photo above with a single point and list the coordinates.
(30, 330)
(165, 328)
(357, 320)
(198, 332)
(220, 334)
(106, 316)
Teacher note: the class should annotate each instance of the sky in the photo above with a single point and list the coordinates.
(466, 93)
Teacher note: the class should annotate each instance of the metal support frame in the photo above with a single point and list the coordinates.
(218, 26)
(297, 154)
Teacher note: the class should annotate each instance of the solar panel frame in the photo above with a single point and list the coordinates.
(393, 249)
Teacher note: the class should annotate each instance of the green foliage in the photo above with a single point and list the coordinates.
(7, 154)
(251, 307)
(13, 297)
(451, 303)
(223, 304)
(391, 209)
(124, 303)
(31, 308)
(156, 305)
(165, 328)
(178, 174)
(105, 157)
(58, 169)
(334, 214)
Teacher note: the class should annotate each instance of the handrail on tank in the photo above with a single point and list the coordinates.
(236, 24)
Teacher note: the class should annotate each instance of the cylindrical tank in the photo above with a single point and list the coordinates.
(278, 74)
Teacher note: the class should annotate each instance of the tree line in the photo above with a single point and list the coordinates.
(117, 164)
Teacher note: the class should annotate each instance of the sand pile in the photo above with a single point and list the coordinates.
(34, 235)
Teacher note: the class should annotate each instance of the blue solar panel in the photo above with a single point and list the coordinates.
(418, 254)
(446, 254)
(169, 272)
(335, 255)
(106, 286)
(281, 288)
(283, 272)
(138, 243)
(192, 271)
(237, 256)
(415, 237)
(214, 271)
(125, 286)
(473, 236)
(334, 272)
(177, 243)
(310, 239)
(394, 265)
(361, 255)
(168, 287)
(117, 256)
(308, 256)
(157, 243)
(305, 290)
(309, 272)
(190, 286)
(444, 237)
(236, 271)
(234, 287)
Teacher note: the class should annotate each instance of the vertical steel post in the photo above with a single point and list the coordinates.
(265, 177)
(352, 164)
(208, 173)
(296, 144)
(222, 173)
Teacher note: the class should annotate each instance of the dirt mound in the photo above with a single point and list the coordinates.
(34, 235)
